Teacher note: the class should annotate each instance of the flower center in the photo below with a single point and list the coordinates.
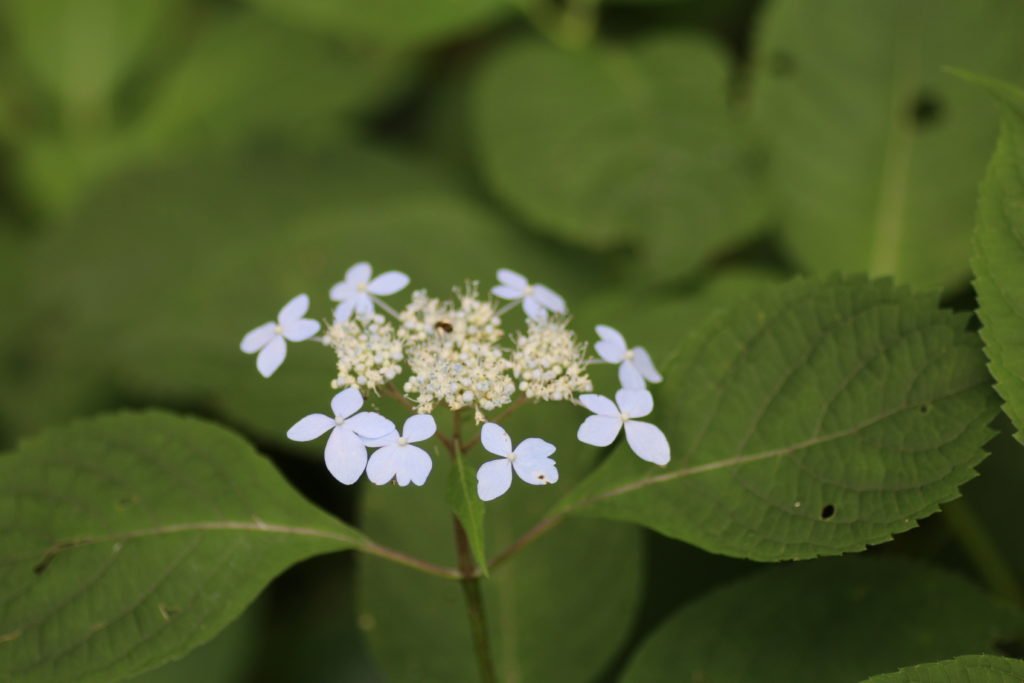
(629, 354)
(528, 291)
(402, 441)
(278, 329)
(361, 287)
(624, 417)
(339, 420)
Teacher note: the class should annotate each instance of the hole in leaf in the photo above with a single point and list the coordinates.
(926, 109)
(828, 511)
(782, 64)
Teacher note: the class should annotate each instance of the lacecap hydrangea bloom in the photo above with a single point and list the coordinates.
(468, 355)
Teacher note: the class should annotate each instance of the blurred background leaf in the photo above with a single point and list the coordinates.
(874, 152)
(834, 620)
(628, 144)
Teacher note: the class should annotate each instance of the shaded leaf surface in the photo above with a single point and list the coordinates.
(999, 258)
(624, 144)
(823, 622)
(876, 153)
(967, 669)
(128, 540)
(813, 419)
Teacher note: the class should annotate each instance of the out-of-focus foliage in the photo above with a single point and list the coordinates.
(628, 143)
(173, 171)
(763, 629)
(874, 151)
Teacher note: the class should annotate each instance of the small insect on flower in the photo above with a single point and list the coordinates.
(345, 453)
(600, 429)
(635, 363)
(531, 460)
(269, 338)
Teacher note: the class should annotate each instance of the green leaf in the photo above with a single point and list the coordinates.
(219, 94)
(966, 669)
(823, 622)
(158, 312)
(875, 153)
(999, 257)
(405, 23)
(128, 540)
(81, 51)
(558, 611)
(468, 507)
(626, 144)
(813, 419)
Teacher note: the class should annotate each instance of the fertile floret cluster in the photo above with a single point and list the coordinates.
(455, 354)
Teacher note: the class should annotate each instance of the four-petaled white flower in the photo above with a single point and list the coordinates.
(635, 363)
(600, 429)
(357, 290)
(345, 453)
(537, 299)
(398, 459)
(530, 459)
(269, 338)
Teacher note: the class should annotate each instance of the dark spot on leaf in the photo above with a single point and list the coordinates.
(128, 501)
(926, 109)
(44, 563)
(828, 511)
(925, 409)
(782, 64)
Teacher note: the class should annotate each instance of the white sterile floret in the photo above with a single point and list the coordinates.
(369, 352)
(635, 363)
(345, 453)
(600, 429)
(549, 363)
(537, 299)
(398, 459)
(453, 355)
(531, 460)
(269, 338)
(356, 292)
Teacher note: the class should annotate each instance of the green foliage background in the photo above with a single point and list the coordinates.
(778, 198)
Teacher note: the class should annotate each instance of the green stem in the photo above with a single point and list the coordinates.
(474, 606)
(982, 550)
(470, 579)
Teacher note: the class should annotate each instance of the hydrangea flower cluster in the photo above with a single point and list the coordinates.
(456, 354)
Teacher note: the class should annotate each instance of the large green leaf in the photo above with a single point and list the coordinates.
(80, 51)
(153, 286)
(406, 23)
(813, 419)
(128, 540)
(625, 144)
(556, 612)
(823, 622)
(244, 75)
(875, 153)
(999, 258)
(967, 669)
